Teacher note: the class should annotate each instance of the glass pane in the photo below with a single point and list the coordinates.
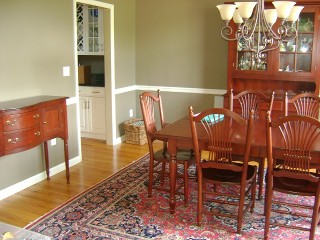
(96, 31)
(242, 45)
(90, 45)
(95, 14)
(289, 46)
(305, 42)
(244, 62)
(306, 21)
(96, 45)
(90, 15)
(90, 30)
(304, 63)
(286, 62)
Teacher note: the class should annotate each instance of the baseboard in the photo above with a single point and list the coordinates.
(7, 192)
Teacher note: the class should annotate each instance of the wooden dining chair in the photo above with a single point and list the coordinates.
(152, 112)
(220, 179)
(292, 171)
(307, 104)
(243, 103)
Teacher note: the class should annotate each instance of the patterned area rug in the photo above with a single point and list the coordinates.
(118, 208)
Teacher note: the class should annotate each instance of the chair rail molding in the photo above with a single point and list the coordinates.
(170, 89)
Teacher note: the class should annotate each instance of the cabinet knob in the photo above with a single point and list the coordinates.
(36, 115)
(8, 122)
(37, 133)
(44, 122)
(13, 141)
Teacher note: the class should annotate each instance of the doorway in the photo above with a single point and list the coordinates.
(109, 66)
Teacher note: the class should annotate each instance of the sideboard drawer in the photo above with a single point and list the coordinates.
(21, 121)
(31, 137)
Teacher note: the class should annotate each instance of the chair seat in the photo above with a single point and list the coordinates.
(298, 186)
(227, 176)
(182, 155)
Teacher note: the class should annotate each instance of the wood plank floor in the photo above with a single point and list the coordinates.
(98, 162)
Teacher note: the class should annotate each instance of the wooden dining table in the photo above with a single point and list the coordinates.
(178, 135)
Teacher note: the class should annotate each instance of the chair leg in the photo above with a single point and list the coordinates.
(240, 209)
(253, 195)
(163, 169)
(261, 177)
(315, 215)
(186, 183)
(151, 166)
(200, 201)
(269, 193)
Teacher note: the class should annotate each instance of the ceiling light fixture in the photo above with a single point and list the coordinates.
(255, 24)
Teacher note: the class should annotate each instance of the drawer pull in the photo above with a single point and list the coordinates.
(13, 141)
(95, 92)
(37, 133)
(8, 122)
(36, 115)
(44, 122)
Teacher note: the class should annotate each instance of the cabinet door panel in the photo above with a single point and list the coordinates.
(83, 114)
(97, 115)
(53, 121)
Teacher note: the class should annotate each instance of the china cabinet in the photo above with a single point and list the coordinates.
(292, 68)
(89, 30)
(92, 112)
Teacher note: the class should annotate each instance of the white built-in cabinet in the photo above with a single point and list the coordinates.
(92, 112)
(89, 30)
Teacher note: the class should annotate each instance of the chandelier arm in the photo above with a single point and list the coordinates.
(286, 34)
(226, 33)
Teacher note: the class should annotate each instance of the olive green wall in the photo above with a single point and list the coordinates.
(178, 44)
(170, 43)
(36, 42)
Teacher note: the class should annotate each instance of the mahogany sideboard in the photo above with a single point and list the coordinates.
(26, 123)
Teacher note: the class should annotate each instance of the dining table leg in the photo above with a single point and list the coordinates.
(172, 175)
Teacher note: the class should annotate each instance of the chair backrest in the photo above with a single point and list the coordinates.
(220, 126)
(250, 100)
(307, 104)
(152, 110)
(289, 144)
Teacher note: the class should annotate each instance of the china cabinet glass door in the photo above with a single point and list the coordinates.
(89, 30)
(246, 59)
(296, 55)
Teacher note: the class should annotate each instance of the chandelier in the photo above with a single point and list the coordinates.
(255, 29)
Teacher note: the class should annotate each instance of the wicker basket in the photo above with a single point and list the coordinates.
(135, 132)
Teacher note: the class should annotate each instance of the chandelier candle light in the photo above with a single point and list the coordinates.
(254, 24)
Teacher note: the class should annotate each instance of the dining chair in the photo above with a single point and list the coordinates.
(292, 171)
(246, 101)
(220, 179)
(152, 112)
(307, 104)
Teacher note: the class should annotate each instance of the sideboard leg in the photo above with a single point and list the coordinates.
(66, 159)
(46, 156)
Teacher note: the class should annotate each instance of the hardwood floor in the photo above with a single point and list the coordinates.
(98, 162)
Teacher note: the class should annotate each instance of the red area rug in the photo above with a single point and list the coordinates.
(118, 208)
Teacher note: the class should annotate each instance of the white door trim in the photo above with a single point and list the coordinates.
(109, 85)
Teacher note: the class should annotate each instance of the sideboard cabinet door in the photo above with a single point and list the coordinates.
(53, 121)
